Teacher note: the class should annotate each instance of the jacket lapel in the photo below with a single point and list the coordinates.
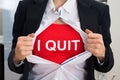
(34, 14)
(87, 15)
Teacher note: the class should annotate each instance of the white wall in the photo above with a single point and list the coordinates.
(8, 10)
(115, 33)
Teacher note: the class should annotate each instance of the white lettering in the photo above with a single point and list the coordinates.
(64, 46)
(75, 43)
(52, 45)
(38, 45)
(69, 45)
(52, 48)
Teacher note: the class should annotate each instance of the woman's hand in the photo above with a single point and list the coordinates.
(95, 44)
(23, 48)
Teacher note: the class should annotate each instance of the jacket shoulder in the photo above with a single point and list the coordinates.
(27, 1)
(98, 4)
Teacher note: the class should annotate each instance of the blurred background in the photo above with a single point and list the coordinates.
(7, 10)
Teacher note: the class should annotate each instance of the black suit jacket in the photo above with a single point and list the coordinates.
(93, 15)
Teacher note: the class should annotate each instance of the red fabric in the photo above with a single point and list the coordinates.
(55, 32)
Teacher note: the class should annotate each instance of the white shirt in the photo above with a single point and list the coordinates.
(67, 13)
(49, 70)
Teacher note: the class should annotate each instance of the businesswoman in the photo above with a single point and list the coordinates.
(68, 17)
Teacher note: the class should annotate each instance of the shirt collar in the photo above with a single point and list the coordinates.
(50, 6)
(68, 6)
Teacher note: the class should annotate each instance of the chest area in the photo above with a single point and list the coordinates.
(58, 43)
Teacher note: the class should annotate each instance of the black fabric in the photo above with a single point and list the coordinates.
(92, 14)
(1, 61)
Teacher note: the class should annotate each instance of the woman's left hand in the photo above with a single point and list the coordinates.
(95, 44)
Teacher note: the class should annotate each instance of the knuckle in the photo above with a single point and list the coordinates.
(99, 41)
(19, 45)
(30, 43)
(96, 51)
(89, 35)
(100, 36)
(20, 38)
(20, 48)
(26, 53)
(88, 41)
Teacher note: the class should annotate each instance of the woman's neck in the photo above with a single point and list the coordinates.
(58, 3)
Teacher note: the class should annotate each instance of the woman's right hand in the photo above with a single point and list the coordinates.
(23, 48)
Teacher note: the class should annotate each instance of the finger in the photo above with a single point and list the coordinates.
(24, 47)
(93, 46)
(25, 53)
(27, 43)
(31, 35)
(88, 31)
(93, 51)
(94, 41)
(25, 38)
(24, 43)
(95, 36)
(92, 35)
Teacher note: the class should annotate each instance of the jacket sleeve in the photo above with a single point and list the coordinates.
(18, 25)
(105, 31)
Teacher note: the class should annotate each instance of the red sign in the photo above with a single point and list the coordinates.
(58, 43)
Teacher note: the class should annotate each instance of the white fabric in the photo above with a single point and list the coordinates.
(70, 69)
(68, 13)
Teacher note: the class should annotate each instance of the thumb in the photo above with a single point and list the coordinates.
(88, 31)
(31, 35)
